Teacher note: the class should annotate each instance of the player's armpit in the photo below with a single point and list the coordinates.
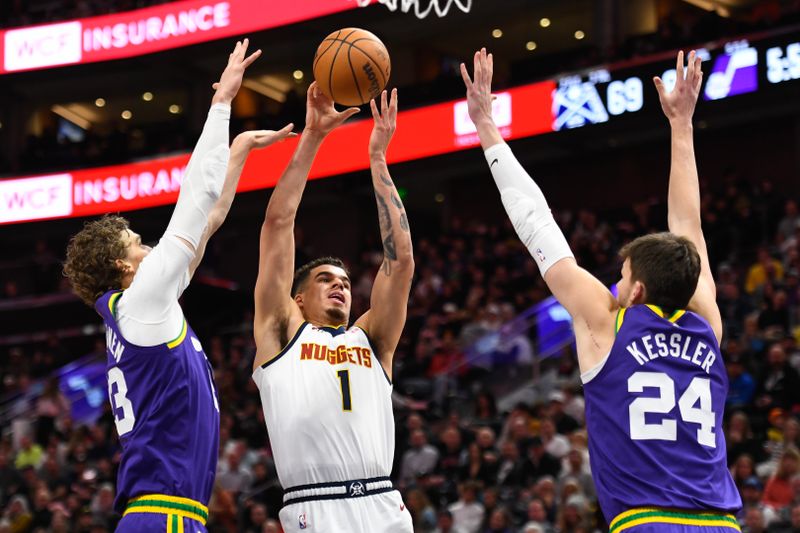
(591, 306)
(704, 303)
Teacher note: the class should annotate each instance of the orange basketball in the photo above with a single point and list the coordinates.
(351, 66)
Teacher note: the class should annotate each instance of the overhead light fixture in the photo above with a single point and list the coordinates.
(100, 102)
(126, 115)
(544, 22)
(579, 35)
(298, 75)
(174, 109)
(147, 96)
(72, 116)
(264, 89)
(497, 33)
(530, 45)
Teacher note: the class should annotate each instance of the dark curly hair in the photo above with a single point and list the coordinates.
(91, 258)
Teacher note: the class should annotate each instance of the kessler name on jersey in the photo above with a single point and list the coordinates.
(675, 345)
(356, 355)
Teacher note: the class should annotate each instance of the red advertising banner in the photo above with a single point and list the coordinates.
(152, 29)
(427, 131)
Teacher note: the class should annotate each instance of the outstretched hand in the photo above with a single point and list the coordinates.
(479, 90)
(231, 80)
(321, 116)
(680, 102)
(384, 125)
(263, 138)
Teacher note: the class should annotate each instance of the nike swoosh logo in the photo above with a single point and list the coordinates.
(493, 162)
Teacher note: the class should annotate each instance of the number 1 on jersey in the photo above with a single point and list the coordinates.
(344, 379)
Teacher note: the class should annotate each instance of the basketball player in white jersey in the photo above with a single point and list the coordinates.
(326, 388)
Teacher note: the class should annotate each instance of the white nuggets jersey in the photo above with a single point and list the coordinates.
(328, 408)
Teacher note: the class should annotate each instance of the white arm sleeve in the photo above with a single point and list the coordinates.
(148, 312)
(527, 208)
(204, 178)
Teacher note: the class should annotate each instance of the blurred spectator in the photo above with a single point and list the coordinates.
(467, 512)
(29, 454)
(778, 493)
(419, 460)
(422, 512)
(765, 269)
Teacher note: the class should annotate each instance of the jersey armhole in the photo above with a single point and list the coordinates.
(286, 348)
(377, 358)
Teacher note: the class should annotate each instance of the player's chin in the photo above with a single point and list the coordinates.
(337, 313)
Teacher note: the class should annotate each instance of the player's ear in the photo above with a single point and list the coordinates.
(637, 293)
(298, 298)
(124, 266)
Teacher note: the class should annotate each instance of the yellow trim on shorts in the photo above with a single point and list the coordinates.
(169, 505)
(655, 515)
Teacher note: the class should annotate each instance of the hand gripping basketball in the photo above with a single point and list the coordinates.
(321, 116)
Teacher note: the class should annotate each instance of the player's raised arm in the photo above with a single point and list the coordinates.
(241, 147)
(149, 310)
(387, 315)
(684, 188)
(275, 310)
(588, 301)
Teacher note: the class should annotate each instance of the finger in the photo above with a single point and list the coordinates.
(659, 86)
(477, 72)
(249, 61)
(215, 85)
(699, 81)
(698, 71)
(490, 66)
(243, 50)
(374, 108)
(393, 105)
(690, 68)
(465, 76)
(679, 68)
(384, 104)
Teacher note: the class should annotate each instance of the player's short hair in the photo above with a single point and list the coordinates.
(301, 274)
(668, 265)
(91, 265)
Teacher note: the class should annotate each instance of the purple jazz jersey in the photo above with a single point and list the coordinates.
(166, 412)
(654, 415)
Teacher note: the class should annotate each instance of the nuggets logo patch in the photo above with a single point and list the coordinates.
(356, 488)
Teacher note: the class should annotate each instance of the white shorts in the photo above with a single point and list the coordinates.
(377, 513)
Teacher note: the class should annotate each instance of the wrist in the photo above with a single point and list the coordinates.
(377, 156)
(681, 123)
(219, 98)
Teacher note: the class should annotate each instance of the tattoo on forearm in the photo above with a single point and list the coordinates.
(386, 180)
(403, 222)
(385, 221)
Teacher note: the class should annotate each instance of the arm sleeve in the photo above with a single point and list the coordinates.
(148, 311)
(527, 208)
(204, 177)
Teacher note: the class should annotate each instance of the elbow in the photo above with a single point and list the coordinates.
(278, 220)
(405, 263)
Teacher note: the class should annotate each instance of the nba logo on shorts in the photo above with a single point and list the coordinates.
(302, 521)
(540, 255)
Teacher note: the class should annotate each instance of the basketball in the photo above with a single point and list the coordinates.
(351, 66)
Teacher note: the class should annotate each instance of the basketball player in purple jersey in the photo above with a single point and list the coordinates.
(654, 381)
(159, 381)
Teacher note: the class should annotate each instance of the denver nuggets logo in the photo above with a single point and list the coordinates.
(356, 489)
